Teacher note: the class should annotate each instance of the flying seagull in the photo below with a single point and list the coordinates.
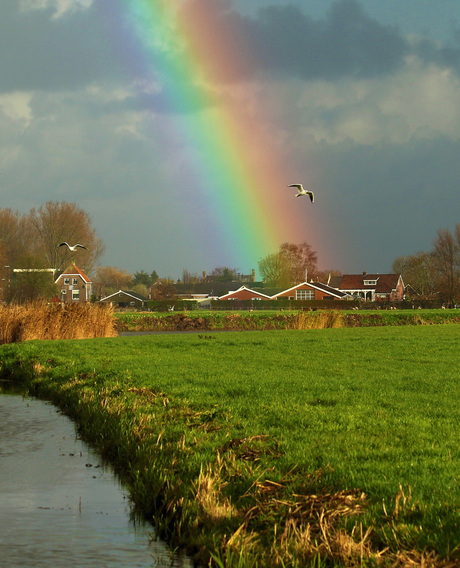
(72, 248)
(302, 191)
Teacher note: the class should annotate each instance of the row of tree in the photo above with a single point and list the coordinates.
(31, 241)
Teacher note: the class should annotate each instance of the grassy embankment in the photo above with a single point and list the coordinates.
(269, 320)
(276, 448)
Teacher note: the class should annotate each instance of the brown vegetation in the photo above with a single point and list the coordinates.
(40, 320)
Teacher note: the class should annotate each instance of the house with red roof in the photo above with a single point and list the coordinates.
(373, 287)
(310, 291)
(244, 293)
(74, 285)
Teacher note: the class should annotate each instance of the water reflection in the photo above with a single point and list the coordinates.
(59, 504)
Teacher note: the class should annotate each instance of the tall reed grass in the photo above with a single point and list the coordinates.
(40, 320)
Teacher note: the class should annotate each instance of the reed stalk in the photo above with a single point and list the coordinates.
(40, 320)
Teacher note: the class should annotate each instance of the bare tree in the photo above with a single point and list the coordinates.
(163, 289)
(110, 279)
(225, 274)
(419, 273)
(56, 222)
(446, 256)
(290, 265)
(324, 276)
(188, 277)
(15, 236)
(302, 259)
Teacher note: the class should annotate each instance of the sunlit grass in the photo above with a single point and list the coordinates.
(231, 432)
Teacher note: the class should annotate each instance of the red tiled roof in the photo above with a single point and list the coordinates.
(74, 270)
(385, 282)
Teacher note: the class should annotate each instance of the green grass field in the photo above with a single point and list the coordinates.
(275, 448)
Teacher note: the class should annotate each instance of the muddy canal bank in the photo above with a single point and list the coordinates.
(60, 505)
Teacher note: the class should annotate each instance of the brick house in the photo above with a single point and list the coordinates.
(311, 291)
(373, 287)
(74, 285)
(244, 293)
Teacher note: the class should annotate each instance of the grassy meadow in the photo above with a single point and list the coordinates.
(322, 447)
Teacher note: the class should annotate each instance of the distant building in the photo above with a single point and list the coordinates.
(74, 285)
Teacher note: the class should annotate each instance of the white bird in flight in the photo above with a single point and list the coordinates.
(72, 248)
(302, 191)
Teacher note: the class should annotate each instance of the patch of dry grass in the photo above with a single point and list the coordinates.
(316, 320)
(40, 320)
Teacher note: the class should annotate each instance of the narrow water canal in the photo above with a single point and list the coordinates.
(60, 506)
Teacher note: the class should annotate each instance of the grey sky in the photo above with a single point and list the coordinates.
(365, 93)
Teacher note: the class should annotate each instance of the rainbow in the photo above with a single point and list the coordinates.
(234, 160)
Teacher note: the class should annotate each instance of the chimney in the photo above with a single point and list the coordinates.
(204, 274)
(253, 275)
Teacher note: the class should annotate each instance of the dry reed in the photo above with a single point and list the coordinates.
(316, 320)
(40, 320)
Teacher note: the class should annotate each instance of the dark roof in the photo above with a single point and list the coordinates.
(134, 295)
(329, 289)
(334, 281)
(242, 289)
(217, 288)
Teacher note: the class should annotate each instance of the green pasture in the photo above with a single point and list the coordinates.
(373, 411)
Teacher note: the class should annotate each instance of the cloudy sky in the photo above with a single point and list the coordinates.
(361, 97)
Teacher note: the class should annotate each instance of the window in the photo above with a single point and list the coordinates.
(305, 294)
(75, 294)
(66, 281)
(370, 282)
(74, 281)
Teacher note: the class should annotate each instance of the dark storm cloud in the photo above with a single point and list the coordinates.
(284, 41)
(71, 52)
(346, 43)
(93, 44)
(37, 52)
(442, 56)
